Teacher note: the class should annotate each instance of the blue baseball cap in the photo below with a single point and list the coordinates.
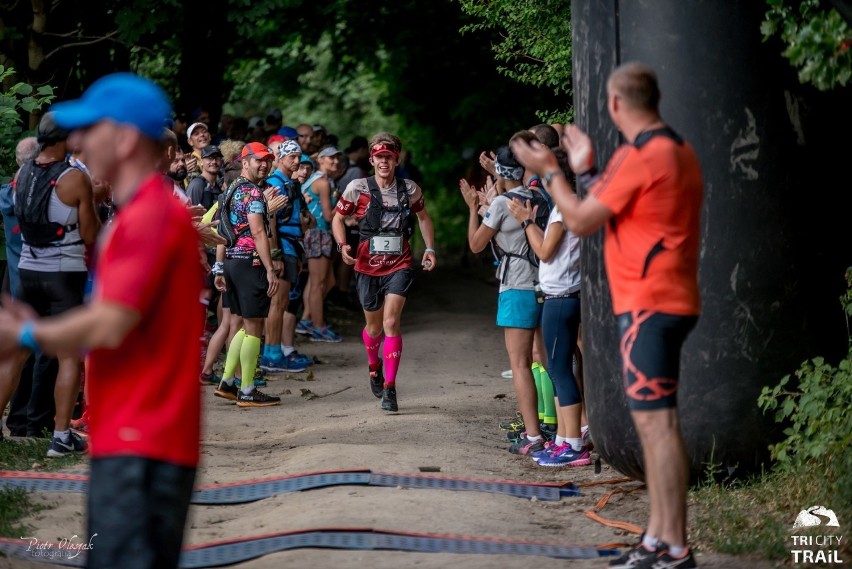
(124, 98)
(288, 132)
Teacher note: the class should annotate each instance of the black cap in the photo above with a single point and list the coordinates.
(507, 158)
(49, 132)
(210, 150)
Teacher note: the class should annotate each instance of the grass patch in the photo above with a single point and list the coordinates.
(15, 503)
(755, 517)
(746, 518)
(31, 454)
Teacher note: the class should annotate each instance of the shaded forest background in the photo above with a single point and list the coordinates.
(354, 66)
(451, 77)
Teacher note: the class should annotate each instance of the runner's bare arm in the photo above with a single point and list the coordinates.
(427, 230)
(78, 187)
(478, 235)
(583, 217)
(219, 280)
(261, 241)
(96, 325)
(323, 189)
(338, 229)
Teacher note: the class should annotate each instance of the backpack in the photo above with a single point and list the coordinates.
(541, 217)
(371, 224)
(226, 227)
(293, 195)
(34, 185)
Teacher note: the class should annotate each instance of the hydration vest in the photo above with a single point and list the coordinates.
(34, 185)
(371, 224)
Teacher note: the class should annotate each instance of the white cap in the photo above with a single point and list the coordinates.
(193, 126)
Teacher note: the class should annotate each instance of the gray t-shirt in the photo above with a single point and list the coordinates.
(513, 273)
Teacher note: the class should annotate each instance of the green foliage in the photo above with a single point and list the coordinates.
(818, 41)
(813, 463)
(19, 100)
(817, 409)
(749, 517)
(15, 504)
(311, 89)
(534, 45)
(136, 19)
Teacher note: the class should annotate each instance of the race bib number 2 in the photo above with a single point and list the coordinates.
(386, 245)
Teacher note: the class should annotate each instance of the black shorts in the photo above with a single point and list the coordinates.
(52, 293)
(294, 306)
(246, 286)
(372, 290)
(137, 512)
(650, 352)
(291, 269)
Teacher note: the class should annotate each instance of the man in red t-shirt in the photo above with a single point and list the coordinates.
(385, 207)
(139, 327)
(649, 197)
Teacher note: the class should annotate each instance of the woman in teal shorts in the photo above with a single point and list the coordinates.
(518, 309)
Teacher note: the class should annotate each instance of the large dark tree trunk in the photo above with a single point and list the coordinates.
(773, 252)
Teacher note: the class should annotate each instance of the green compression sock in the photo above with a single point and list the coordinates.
(536, 371)
(548, 395)
(248, 360)
(233, 359)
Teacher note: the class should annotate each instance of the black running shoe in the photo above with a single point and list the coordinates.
(548, 430)
(59, 449)
(377, 381)
(389, 399)
(665, 561)
(257, 399)
(516, 424)
(635, 558)
(225, 391)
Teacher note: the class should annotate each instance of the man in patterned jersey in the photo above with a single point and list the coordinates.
(250, 275)
(385, 207)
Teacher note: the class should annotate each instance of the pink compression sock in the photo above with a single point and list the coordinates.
(372, 345)
(392, 354)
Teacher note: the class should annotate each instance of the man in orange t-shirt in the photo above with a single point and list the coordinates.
(649, 199)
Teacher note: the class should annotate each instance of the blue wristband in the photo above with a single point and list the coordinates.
(430, 250)
(26, 338)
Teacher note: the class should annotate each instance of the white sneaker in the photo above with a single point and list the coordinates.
(506, 374)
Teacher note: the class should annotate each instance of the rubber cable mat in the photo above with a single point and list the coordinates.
(253, 490)
(222, 553)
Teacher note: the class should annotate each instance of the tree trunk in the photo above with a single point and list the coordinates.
(35, 49)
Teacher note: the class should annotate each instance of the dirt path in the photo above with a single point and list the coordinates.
(451, 398)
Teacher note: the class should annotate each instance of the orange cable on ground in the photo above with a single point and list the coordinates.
(593, 513)
(599, 482)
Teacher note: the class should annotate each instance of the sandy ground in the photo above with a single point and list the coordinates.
(451, 398)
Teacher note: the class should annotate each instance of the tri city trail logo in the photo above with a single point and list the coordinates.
(814, 548)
